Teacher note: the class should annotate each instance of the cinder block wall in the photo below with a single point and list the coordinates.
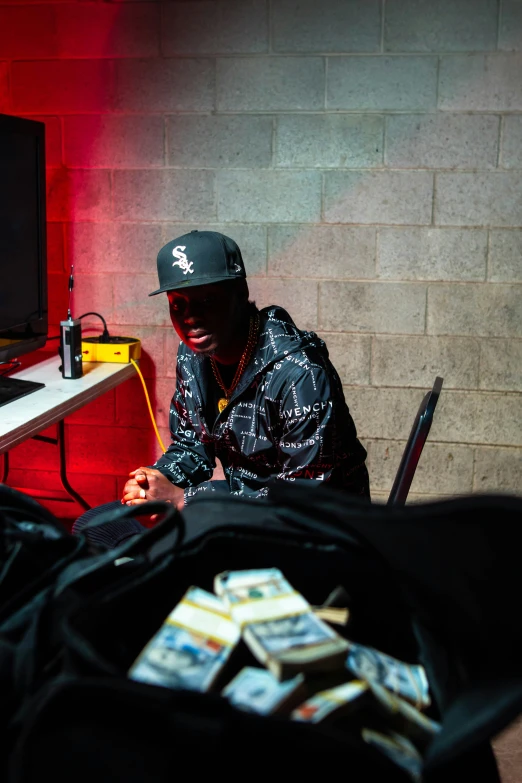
(367, 157)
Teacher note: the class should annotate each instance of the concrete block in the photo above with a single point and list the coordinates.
(487, 310)
(251, 239)
(440, 26)
(501, 364)
(467, 199)
(179, 84)
(53, 140)
(268, 196)
(477, 82)
(57, 296)
(443, 469)
(5, 90)
(505, 256)
(18, 39)
(80, 194)
(122, 446)
(232, 141)
(511, 155)
(131, 405)
(113, 247)
(100, 410)
(510, 27)
(350, 355)
(215, 27)
(383, 413)
(321, 251)
(93, 292)
(394, 197)
(498, 469)
(442, 141)
(329, 26)
(432, 253)
(163, 391)
(372, 307)
(106, 30)
(382, 83)
(270, 84)
(55, 247)
(478, 417)
(113, 141)
(133, 305)
(64, 86)
(409, 360)
(329, 141)
(163, 195)
(299, 297)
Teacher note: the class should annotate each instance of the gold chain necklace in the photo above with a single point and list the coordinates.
(247, 353)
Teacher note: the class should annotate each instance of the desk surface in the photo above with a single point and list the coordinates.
(33, 413)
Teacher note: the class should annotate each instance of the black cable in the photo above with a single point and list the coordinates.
(105, 334)
(12, 366)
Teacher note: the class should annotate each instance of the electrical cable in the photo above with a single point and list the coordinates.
(105, 334)
(150, 406)
(12, 366)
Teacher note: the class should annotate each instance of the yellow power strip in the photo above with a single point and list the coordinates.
(123, 351)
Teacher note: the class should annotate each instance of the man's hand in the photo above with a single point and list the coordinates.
(149, 484)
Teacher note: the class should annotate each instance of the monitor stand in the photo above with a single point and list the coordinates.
(13, 388)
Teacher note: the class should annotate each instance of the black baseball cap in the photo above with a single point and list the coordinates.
(198, 258)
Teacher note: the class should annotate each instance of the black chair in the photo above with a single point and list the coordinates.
(414, 446)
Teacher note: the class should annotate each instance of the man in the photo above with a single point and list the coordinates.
(251, 389)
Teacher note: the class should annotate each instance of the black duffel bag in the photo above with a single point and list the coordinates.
(434, 583)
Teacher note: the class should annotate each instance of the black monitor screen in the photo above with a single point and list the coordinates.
(23, 268)
(19, 232)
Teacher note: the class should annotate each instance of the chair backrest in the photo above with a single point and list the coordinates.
(414, 446)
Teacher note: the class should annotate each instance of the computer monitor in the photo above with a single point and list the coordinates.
(23, 245)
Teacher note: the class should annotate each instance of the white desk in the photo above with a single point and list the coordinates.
(28, 416)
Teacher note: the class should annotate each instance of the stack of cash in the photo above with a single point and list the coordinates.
(404, 679)
(278, 625)
(399, 749)
(257, 690)
(332, 703)
(403, 717)
(191, 647)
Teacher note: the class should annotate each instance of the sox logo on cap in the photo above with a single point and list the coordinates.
(182, 261)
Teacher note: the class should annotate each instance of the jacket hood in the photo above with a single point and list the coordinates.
(279, 336)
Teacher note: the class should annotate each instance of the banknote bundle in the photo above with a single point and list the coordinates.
(403, 717)
(406, 680)
(278, 625)
(332, 703)
(257, 690)
(191, 647)
(399, 749)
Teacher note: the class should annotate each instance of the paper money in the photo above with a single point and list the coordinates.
(191, 647)
(402, 716)
(333, 702)
(277, 623)
(399, 749)
(257, 690)
(407, 680)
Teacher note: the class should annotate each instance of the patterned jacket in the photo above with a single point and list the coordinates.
(286, 419)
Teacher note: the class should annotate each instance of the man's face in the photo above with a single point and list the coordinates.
(206, 317)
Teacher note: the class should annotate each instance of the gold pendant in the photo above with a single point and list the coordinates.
(222, 404)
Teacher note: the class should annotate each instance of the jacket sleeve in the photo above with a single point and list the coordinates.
(317, 434)
(189, 460)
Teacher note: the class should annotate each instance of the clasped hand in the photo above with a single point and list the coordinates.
(147, 484)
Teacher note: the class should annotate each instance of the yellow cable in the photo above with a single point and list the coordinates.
(150, 407)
